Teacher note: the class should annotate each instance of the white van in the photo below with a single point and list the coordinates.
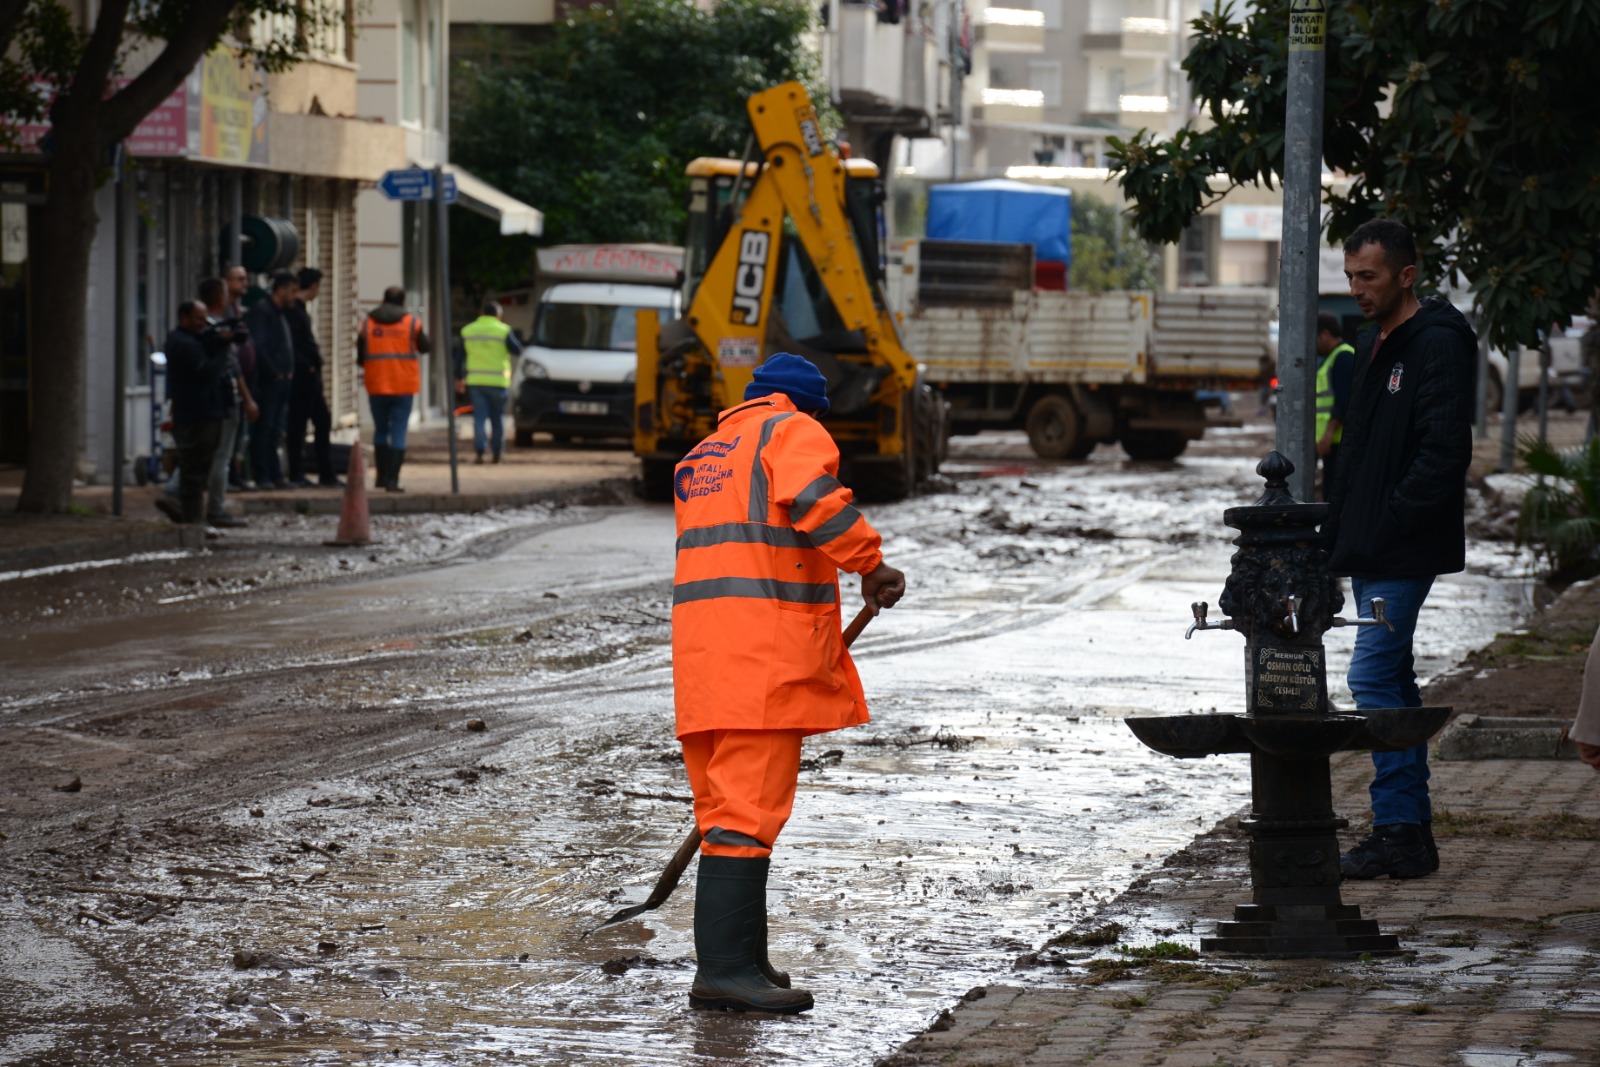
(575, 375)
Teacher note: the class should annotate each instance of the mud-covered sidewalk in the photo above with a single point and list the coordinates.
(1503, 960)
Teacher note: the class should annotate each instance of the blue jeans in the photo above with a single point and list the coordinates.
(488, 402)
(1382, 676)
(390, 416)
(267, 433)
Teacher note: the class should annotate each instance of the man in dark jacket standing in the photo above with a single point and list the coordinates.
(306, 402)
(269, 331)
(198, 364)
(1397, 515)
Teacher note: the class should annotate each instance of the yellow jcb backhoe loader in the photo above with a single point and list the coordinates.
(784, 253)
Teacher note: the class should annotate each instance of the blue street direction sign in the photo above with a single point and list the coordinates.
(415, 183)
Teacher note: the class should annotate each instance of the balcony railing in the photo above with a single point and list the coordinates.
(1129, 103)
(1010, 29)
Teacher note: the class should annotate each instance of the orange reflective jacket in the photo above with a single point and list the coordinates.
(390, 366)
(764, 527)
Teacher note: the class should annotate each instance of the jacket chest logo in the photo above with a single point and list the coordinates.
(1394, 377)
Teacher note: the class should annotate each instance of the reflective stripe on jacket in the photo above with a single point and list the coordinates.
(390, 366)
(488, 359)
(764, 527)
(1325, 392)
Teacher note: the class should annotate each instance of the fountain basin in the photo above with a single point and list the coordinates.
(1290, 736)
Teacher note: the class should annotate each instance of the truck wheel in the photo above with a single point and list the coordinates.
(522, 438)
(1154, 444)
(1055, 429)
(655, 479)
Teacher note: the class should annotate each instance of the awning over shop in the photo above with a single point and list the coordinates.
(477, 195)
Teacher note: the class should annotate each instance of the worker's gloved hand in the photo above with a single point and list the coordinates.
(883, 586)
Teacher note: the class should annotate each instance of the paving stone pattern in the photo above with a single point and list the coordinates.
(1492, 976)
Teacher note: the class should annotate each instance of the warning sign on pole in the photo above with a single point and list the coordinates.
(1308, 25)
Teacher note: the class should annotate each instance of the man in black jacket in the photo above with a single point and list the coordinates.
(1397, 514)
(269, 331)
(306, 402)
(198, 363)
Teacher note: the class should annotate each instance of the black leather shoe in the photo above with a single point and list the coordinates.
(1433, 849)
(169, 507)
(1399, 851)
(730, 925)
(331, 483)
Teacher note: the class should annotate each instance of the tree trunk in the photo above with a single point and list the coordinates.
(60, 311)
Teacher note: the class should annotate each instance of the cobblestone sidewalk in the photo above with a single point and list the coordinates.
(1503, 968)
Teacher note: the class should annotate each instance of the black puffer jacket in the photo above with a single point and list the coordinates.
(1398, 505)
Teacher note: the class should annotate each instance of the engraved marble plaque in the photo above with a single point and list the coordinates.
(1288, 679)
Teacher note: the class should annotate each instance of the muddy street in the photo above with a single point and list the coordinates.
(284, 804)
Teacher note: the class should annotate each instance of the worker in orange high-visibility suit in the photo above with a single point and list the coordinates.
(758, 659)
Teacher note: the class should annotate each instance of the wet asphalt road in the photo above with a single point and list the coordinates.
(289, 846)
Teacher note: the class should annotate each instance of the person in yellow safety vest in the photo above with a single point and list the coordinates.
(1333, 393)
(483, 373)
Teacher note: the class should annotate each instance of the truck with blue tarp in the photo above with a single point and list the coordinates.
(983, 301)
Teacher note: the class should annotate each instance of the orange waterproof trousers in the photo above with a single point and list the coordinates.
(743, 782)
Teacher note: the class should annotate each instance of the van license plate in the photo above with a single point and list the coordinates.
(584, 407)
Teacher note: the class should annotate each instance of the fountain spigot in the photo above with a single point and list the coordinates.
(1292, 620)
(1199, 608)
(1378, 617)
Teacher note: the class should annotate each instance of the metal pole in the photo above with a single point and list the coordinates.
(1302, 219)
(236, 210)
(446, 334)
(1544, 387)
(119, 342)
(1509, 401)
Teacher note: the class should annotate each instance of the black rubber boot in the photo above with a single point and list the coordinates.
(397, 459)
(380, 466)
(730, 925)
(775, 976)
(1398, 851)
(1433, 849)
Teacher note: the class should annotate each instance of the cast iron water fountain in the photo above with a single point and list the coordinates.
(1280, 595)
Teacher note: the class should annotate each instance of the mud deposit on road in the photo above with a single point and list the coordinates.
(298, 850)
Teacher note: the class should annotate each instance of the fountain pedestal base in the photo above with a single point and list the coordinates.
(1325, 931)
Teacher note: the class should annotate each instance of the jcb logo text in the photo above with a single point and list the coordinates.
(750, 277)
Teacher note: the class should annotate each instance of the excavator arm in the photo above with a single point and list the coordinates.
(691, 369)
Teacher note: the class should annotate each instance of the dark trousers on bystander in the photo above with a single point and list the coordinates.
(196, 444)
(306, 404)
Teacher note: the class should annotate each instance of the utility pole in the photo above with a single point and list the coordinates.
(119, 316)
(446, 333)
(1302, 231)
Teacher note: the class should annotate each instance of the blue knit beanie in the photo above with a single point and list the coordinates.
(793, 376)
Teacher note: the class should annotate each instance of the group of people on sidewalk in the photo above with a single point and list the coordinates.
(244, 385)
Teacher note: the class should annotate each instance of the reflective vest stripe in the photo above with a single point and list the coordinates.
(718, 836)
(807, 498)
(756, 588)
(837, 526)
(758, 473)
(743, 533)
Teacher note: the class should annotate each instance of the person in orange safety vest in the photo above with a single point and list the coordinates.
(758, 659)
(389, 348)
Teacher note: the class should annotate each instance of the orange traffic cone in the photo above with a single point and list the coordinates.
(355, 524)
